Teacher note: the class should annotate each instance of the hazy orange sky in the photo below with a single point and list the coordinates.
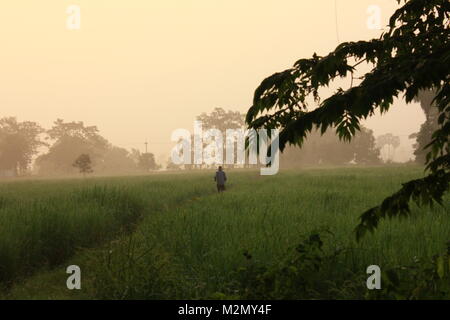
(139, 69)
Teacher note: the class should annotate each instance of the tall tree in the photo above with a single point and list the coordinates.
(116, 160)
(327, 149)
(70, 140)
(391, 142)
(425, 135)
(222, 120)
(413, 55)
(19, 143)
(147, 162)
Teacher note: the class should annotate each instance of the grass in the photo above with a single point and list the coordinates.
(43, 223)
(173, 237)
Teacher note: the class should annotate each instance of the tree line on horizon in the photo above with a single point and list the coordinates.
(71, 146)
(22, 143)
(318, 149)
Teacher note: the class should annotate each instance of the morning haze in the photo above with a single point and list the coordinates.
(139, 70)
(139, 154)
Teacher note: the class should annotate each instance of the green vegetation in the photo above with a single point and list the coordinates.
(172, 236)
(410, 58)
(44, 222)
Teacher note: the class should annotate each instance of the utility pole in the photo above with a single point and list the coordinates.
(146, 144)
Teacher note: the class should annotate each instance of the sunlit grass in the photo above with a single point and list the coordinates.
(42, 223)
(189, 240)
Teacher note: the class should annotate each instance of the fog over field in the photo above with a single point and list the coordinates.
(228, 156)
(141, 69)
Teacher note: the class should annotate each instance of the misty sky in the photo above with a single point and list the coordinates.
(139, 69)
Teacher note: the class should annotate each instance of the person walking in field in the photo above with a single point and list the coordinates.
(220, 178)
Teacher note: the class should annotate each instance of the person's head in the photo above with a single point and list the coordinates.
(220, 168)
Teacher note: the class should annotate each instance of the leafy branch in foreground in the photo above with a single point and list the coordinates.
(412, 56)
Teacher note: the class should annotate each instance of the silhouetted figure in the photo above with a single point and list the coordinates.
(220, 179)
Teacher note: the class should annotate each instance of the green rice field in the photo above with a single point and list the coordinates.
(172, 236)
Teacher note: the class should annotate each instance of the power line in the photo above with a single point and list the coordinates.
(140, 143)
(336, 19)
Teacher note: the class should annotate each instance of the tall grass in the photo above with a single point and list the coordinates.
(203, 243)
(43, 223)
(176, 238)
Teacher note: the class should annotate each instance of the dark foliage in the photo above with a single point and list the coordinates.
(413, 55)
(83, 163)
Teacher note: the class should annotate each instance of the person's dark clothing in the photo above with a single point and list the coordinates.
(220, 179)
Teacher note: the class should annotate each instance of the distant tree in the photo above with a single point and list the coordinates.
(391, 142)
(365, 148)
(70, 140)
(327, 149)
(135, 156)
(147, 162)
(83, 163)
(222, 120)
(19, 143)
(425, 135)
(73, 129)
(116, 160)
(413, 55)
